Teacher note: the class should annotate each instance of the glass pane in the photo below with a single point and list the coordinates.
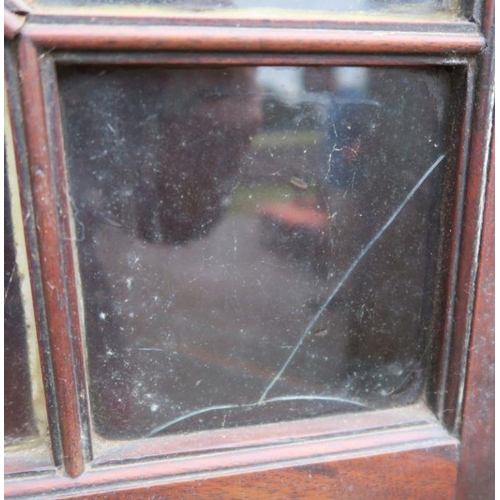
(255, 244)
(25, 424)
(276, 8)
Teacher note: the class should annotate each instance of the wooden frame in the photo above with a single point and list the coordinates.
(372, 443)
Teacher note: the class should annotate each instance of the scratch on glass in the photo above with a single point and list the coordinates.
(346, 275)
(263, 400)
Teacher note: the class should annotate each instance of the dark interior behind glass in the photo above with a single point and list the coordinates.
(255, 244)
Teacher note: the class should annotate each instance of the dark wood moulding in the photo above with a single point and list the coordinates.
(51, 259)
(409, 460)
(427, 452)
(56, 148)
(251, 59)
(237, 438)
(18, 462)
(466, 97)
(472, 226)
(425, 472)
(477, 463)
(234, 39)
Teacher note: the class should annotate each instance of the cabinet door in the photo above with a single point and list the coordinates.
(259, 251)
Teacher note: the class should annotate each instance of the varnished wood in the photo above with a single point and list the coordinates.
(39, 458)
(56, 147)
(417, 460)
(335, 426)
(338, 451)
(463, 132)
(52, 265)
(471, 230)
(188, 38)
(416, 474)
(262, 59)
(12, 24)
(20, 148)
(477, 458)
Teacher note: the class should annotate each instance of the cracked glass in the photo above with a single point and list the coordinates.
(256, 245)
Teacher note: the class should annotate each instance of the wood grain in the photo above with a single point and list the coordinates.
(427, 460)
(421, 474)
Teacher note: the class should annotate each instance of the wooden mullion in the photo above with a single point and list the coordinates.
(51, 259)
(21, 156)
(234, 39)
(56, 149)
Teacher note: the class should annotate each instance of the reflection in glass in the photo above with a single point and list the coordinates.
(255, 244)
(272, 8)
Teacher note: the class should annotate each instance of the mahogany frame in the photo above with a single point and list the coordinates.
(372, 442)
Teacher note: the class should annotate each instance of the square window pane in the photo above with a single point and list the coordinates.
(255, 244)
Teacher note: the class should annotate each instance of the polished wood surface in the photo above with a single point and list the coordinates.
(477, 459)
(18, 462)
(414, 474)
(238, 59)
(55, 138)
(464, 93)
(102, 37)
(425, 443)
(52, 264)
(471, 225)
(417, 474)
(239, 438)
